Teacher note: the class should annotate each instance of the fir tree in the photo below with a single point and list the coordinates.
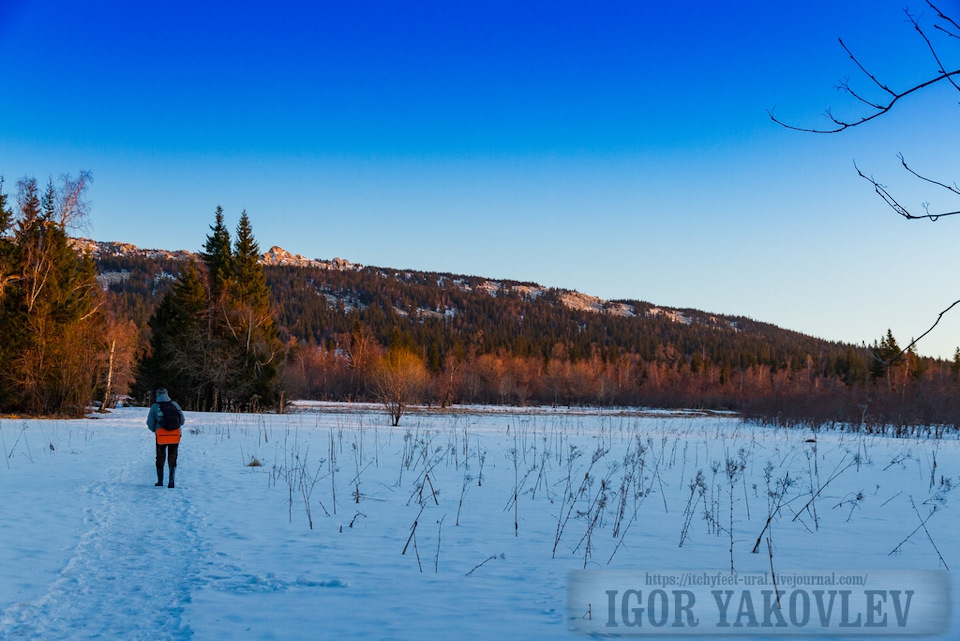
(219, 344)
(49, 202)
(49, 313)
(29, 202)
(884, 354)
(249, 282)
(6, 246)
(252, 324)
(217, 257)
(6, 214)
(180, 339)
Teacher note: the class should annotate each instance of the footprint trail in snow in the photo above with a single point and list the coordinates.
(131, 574)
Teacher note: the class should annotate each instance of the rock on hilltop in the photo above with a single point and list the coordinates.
(529, 291)
(275, 256)
(104, 249)
(280, 256)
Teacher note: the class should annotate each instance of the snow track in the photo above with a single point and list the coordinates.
(132, 572)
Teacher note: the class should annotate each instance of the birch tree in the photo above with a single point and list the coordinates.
(50, 312)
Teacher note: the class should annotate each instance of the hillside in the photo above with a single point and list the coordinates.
(511, 342)
(319, 300)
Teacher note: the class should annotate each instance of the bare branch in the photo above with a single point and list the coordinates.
(888, 198)
(930, 46)
(864, 69)
(949, 33)
(880, 108)
(72, 208)
(843, 125)
(942, 16)
(845, 87)
(914, 342)
(951, 188)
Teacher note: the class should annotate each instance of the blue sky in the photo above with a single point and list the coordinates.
(621, 149)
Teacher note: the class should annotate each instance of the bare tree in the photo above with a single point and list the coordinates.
(400, 380)
(71, 210)
(945, 30)
(365, 354)
(120, 340)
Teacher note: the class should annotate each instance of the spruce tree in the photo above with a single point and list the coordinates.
(6, 246)
(217, 257)
(884, 354)
(249, 282)
(180, 343)
(49, 202)
(217, 343)
(50, 310)
(6, 214)
(252, 323)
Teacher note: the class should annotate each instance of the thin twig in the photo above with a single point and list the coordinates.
(930, 46)
(923, 524)
(773, 574)
(916, 340)
(895, 205)
(481, 564)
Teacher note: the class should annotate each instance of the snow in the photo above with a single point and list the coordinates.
(491, 287)
(106, 279)
(91, 549)
(582, 302)
(670, 314)
(349, 304)
(528, 292)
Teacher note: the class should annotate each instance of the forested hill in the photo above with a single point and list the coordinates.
(447, 312)
(321, 302)
(475, 340)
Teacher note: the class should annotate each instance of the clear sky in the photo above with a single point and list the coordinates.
(621, 149)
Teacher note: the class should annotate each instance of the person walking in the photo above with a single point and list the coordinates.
(164, 420)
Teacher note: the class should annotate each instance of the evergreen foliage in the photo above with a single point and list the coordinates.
(183, 345)
(248, 282)
(884, 355)
(50, 305)
(6, 214)
(335, 326)
(218, 257)
(214, 343)
(225, 332)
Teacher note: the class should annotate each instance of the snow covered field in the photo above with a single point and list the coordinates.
(416, 532)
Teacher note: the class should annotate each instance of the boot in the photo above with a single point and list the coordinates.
(172, 470)
(159, 476)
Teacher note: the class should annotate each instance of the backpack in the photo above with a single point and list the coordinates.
(168, 418)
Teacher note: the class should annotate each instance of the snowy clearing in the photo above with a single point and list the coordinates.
(454, 525)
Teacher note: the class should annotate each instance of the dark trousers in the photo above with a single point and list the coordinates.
(167, 452)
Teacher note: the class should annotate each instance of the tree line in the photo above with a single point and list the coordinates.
(52, 317)
(206, 332)
(906, 394)
(224, 332)
(358, 334)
